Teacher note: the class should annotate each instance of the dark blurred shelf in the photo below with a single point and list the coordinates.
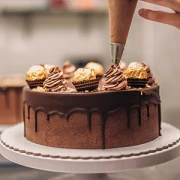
(61, 12)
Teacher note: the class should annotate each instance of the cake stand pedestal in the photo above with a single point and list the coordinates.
(89, 164)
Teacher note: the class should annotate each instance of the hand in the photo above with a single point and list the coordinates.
(172, 19)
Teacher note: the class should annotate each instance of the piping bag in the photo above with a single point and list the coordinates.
(120, 16)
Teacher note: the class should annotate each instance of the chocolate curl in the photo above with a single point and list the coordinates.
(120, 16)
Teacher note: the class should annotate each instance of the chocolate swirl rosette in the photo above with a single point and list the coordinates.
(55, 81)
(35, 76)
(150, 78)
(85, 79)
(115, 79)
(136, 75)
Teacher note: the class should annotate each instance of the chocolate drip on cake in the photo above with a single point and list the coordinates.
(24, 118)
(66, 110)
(36, 120)
(159, 117)
(148, 113)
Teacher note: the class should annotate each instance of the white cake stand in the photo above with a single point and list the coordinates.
(3, 127)
(16, 148)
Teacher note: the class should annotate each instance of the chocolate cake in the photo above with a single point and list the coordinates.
(124, 111)
(11, 100)
(116, 116)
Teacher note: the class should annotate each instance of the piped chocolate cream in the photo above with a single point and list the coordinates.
(115, 78)
(55, 81)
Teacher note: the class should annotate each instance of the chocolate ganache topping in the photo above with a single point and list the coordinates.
(115, 78)
(55, 81)
(151, 79)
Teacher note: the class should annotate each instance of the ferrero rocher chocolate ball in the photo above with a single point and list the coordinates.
(36, 73)
(98, 68)
(85, 79)
(84, 74)
(136, 70)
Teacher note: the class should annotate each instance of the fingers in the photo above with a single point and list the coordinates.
(173, 4)
(162, 17)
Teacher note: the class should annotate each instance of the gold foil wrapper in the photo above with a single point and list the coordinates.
(84, 74)
(136, 73)
(99, 70)
(36, 73)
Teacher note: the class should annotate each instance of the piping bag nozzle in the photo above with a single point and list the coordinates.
(116, 53)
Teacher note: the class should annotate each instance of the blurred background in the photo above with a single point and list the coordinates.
(53, 31)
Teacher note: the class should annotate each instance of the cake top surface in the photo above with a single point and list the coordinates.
(41, 90)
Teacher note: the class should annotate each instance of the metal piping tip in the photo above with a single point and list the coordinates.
(116, 53)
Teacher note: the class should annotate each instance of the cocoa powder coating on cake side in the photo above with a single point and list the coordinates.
(94, 120)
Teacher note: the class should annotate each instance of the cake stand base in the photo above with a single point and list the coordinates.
(5, 163)
(89, 164)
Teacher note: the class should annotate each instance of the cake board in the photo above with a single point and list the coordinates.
(89, 164)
